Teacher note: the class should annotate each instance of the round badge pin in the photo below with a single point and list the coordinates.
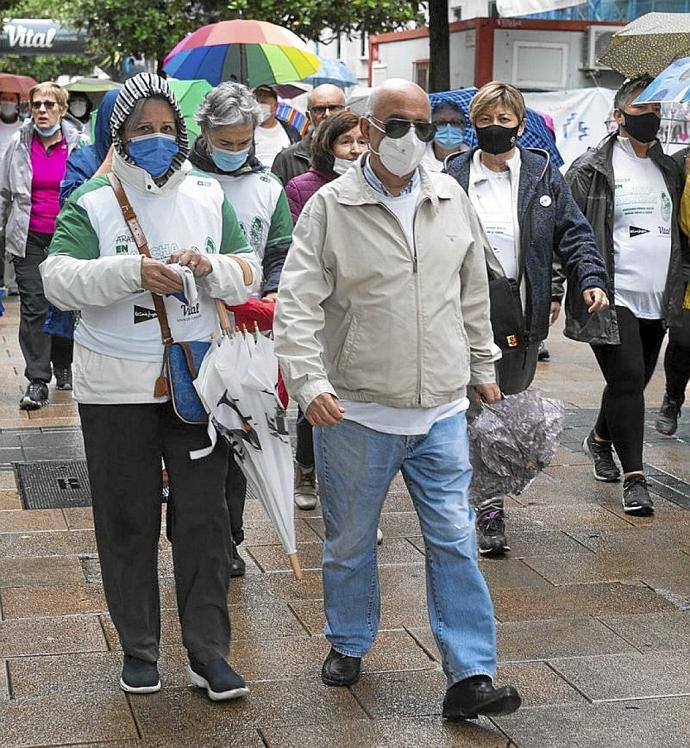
(545, 201)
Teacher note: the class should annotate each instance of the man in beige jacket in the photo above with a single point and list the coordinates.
(382, 323)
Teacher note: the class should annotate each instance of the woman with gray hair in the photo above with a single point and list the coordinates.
(225, 149)
(127, 419)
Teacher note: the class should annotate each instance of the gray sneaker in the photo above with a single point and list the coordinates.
(305, 487)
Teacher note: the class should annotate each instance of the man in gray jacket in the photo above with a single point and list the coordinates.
(382, 323)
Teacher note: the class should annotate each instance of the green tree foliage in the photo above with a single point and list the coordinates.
(313, 19)
(119, 28)
(116, 29)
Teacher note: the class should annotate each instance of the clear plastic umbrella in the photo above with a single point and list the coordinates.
(512, 441)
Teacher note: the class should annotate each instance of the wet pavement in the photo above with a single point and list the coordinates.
(591, 606)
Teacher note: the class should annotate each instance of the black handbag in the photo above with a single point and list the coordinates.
(507, 317)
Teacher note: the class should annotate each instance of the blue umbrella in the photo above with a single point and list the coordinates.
(536, 134)
(332, 71)
(672, 85)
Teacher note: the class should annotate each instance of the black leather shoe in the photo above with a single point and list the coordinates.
(473, 696)
(340, 670)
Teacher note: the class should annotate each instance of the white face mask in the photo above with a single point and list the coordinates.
(8, 109)
(401, 156)
(341, 165)
(265, 112)
(78, 108)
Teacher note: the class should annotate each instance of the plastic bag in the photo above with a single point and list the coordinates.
(512, 441)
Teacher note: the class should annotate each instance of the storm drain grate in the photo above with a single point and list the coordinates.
(54, 484)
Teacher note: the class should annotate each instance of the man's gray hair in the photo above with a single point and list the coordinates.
(229, 104)
(629, 87)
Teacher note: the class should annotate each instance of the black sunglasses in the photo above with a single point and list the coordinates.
(398, 128)
(36, 104)
(319, 110)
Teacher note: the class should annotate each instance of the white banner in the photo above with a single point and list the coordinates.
(580, 117)
(511, 8)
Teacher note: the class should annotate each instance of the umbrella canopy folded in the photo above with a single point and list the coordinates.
(250, 52)
(237, 384)
(536, 134)
(19, 84)
(649, 44)
(332, 71)
(512, 441)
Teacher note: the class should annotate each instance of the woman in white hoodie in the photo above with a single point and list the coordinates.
(94, 265)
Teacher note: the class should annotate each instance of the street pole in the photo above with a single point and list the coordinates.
(439, 46)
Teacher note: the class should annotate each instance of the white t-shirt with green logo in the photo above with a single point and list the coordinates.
(193, 216)
(643, 212)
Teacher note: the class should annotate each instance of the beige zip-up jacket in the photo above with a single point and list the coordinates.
(365, 316)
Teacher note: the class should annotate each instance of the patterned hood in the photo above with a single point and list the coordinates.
(146, 86)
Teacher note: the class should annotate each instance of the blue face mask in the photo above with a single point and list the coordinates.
(229, 160)
(449, 136)
(153, 153)
(49, 131)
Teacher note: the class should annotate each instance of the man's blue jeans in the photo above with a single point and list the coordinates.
(355, 467)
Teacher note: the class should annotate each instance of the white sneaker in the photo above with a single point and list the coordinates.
(305, 487)
(379, 536)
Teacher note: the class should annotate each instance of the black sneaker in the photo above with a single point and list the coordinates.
(491, 531)
(63, 378)
(221, 682)
(35, 397)
(636, 498)
(601, 453)
(238, 568)
(543, 354)
(667, 420)
(340, 670)
(139, 676)
(473, 696)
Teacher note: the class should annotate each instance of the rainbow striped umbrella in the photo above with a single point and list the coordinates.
(249, 52)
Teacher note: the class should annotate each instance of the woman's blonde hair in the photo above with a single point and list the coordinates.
(48, 87)
(495, 93)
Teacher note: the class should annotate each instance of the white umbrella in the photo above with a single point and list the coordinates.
(249, 415)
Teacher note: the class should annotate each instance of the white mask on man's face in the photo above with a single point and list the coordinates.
(401, 156)
(266, 112)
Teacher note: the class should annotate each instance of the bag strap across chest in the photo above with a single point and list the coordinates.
(142, 245)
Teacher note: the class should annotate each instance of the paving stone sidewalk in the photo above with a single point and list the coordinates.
(591, 607)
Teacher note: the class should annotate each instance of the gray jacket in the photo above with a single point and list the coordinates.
(367, 316)
(591, 180)
(15, 185)
(293, 160)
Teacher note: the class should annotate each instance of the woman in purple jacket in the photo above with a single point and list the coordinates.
(337, 144)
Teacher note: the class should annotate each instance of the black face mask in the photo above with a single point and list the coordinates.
(642, 127)
(497, 139)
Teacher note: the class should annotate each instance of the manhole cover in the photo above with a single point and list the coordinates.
(56, 484)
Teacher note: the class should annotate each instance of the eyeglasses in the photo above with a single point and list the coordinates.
(454, 122)
(36, 104)
(319, 110)
(398, 128)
